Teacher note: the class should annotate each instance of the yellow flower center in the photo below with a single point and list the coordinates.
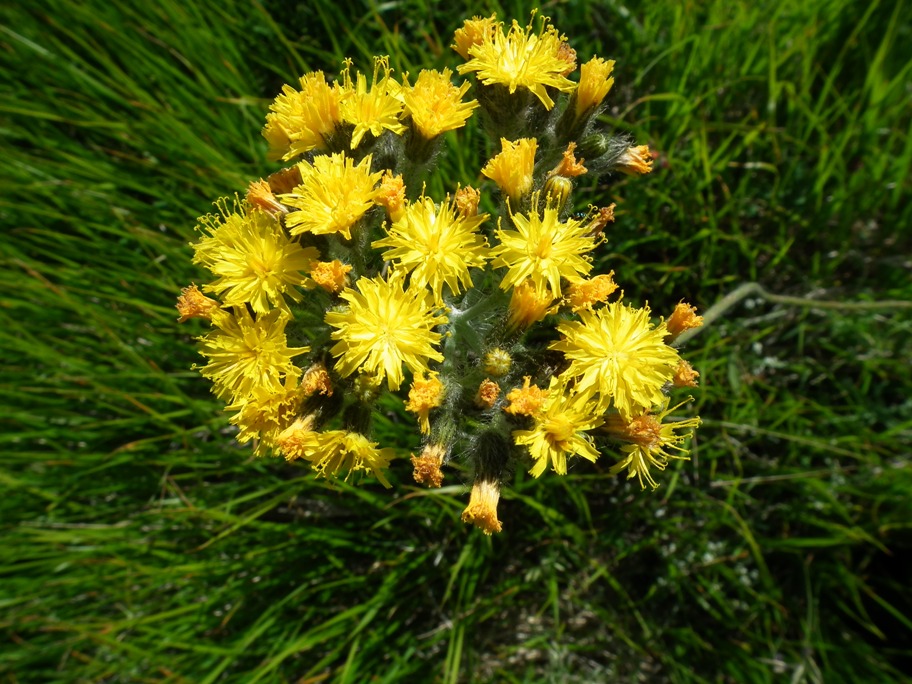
(543, 251)
(559, 430)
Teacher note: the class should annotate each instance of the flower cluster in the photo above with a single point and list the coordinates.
(338, 281)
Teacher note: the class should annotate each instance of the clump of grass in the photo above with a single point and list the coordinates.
(139, 543)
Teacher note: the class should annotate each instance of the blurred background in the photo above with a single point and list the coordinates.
(141, 543)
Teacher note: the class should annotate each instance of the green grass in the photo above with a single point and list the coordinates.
(140, 543)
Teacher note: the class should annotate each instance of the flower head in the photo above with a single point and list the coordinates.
(298, 439)
(302, 120)
(685, 375)
(425, 395)
(526, 400)
(543, 249)
(474, 31)
(594, 84)
(560, 428)
(467, 200)
(512, 167)
(384, 326)
(194, 304)
(261, 196)
(245, 353)
(528, 305)
(332, 276)
(487, 394)
(569, 166)
(316, 380)
(617, 352)
(266, 412)
(427, 465)
(522, 59)
(435, 104)
(372, 110)
(333, 195)
(635, 160)
(391, 195)
(255, 260)
(584, 294)
(338, 453)
(650, 440)
(482, 508)
(683, 318)
(437, 245)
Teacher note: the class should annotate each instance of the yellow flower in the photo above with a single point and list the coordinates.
(559, 428)
(635, 160)
(384, 326)
(333, 195)
(337, 452)
(194, 304)
(301, 121)
(298, 439)
(512, 167)
(391, 195)
(467, 200)
(425, 395)
(435, 104)
(583, 294)
(650, 440)
(245, 353)
(254, 258)
(372, 110)
(482, 508)
(521, 59)
(543, 249)
(594, 84)
(474, 31)
(617, 352)
(266, 412)
(528, 305)
(437, 245)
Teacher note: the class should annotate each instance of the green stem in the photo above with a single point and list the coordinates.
(746, 290)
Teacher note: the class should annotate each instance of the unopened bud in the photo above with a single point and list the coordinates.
(497, 362)
(594, 146)
(557, 190)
